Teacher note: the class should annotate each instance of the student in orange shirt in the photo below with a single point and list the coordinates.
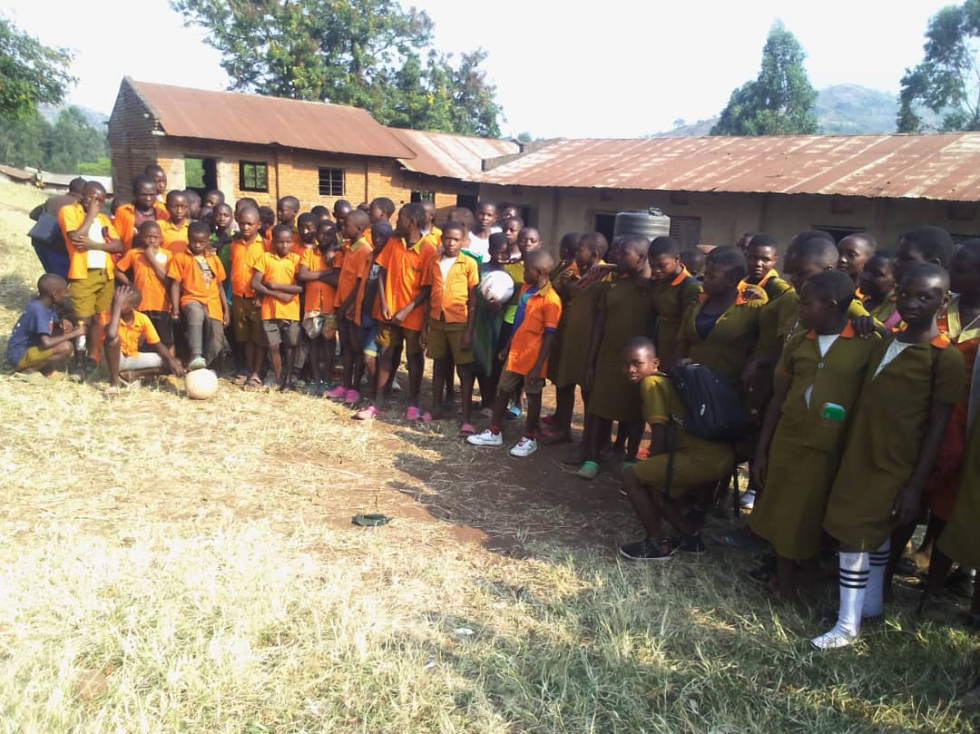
(90, 239)
(318, 271)
(400, 298)
(447, 330)
(274, 278)
(174, 228)
(127, 327)
(353, 271)
(129, 217)
(341, 208)
(147, 263)
(159, 177)
(380, 209)
(535, 324)
(246, 249)
(195, 288)
(367, 298)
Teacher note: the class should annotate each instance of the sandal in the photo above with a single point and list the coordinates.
(111, 392)
(467, 429)
(589, 470)
(240, 380)
(368, 414)
(252, 384)
(413, 414)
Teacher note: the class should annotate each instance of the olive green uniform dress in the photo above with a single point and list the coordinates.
(884, 442)
(697, 461)
(960, 539)
(672, 299)
(789, 305)
(806, 447)
(729, 343)
(770, 313)
(628, 306)
(577, 321)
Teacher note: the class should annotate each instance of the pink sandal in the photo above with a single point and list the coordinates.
(337, 393)
(368, 414)
(352, 397)
(467, 429)
(413, 413)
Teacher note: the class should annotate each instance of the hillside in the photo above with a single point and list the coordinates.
(96, 119)
(843, 109)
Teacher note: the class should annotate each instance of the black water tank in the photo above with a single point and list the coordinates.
(648, 222)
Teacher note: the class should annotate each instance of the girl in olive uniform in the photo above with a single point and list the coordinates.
(877, 284)
(675, 292)
(913, 380)
(818, 379)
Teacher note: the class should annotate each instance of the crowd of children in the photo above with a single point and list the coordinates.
(853, 373)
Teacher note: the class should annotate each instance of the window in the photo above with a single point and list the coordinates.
(253, 176)
(331, 182)
(686, 230)
(420, 196)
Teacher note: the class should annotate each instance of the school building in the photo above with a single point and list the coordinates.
(716, 188)
(713, 188)
(268, 147)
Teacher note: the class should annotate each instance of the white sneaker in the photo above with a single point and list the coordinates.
(833, 640)
(525, 447)
(487, 438)
(747, 500)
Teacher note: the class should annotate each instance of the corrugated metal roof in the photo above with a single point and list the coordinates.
(451, 156)
(943, 167)
(253, 118)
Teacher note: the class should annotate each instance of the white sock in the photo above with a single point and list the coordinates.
(854, 570)
(873, 602)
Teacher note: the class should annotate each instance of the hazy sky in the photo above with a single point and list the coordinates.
(622, 69)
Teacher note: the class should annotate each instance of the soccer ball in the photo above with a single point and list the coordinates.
(200, 384)
(497, 286)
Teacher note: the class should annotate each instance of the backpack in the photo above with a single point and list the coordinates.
(714, 412)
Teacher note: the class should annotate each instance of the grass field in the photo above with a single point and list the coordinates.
(167, 565)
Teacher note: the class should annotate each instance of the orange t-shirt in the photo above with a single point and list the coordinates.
(357, 260)
(243, 258)
(317, 295)
(156, 295)
(404, 267)
(70, 218)
(174, 237)
(194, 283)
(129, 334)
(125, 223)
(542, 310)
(450, 295)
(282, 271)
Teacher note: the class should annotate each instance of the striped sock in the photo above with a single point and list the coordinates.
(873, 602)
(854, 570)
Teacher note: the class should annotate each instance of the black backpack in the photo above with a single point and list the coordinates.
(714, 412)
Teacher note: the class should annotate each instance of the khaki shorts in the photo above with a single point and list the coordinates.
(446, 339)
(33, 357)
(280, 331)
(511, 381)
(246, 321)
(392, 335)
(90, 295)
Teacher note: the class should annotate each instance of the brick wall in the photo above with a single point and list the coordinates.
(132, 144)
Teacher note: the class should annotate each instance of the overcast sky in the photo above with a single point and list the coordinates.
(621, 69)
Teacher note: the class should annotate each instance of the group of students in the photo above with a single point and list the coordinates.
(854, 371)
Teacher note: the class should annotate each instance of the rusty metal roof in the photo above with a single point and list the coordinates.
(451, 156)
(260, 120)
(943, 167)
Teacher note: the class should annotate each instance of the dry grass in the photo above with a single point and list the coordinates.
(168, 565)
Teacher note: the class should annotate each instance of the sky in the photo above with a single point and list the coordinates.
(618, 68)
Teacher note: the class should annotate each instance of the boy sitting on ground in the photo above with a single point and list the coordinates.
(35, 347)
(653, 486)
(127, 328)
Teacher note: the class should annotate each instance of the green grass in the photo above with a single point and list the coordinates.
(196, 564)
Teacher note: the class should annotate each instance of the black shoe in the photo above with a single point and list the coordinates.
(689, 543)
(648, 549)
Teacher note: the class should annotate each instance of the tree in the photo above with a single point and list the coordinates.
(30, 73)
(780, 101)
(65, 147)
(370, 54)
(947, 81)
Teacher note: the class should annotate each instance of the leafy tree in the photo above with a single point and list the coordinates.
(24, 141)
(780, 101)
(30, 73)
(947, 81)
(370, 54)
(64, 147)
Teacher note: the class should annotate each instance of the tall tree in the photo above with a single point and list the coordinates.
(371, 54)
(780, 101)
(71, 145)
(947, 81)
(30, 73)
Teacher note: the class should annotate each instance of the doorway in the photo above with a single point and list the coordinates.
(605, 224)
(200, 174)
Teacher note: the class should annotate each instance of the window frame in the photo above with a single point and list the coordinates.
(241, 176)
(332, 170)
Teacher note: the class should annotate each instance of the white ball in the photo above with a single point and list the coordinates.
(200, 384)
(497, 286)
